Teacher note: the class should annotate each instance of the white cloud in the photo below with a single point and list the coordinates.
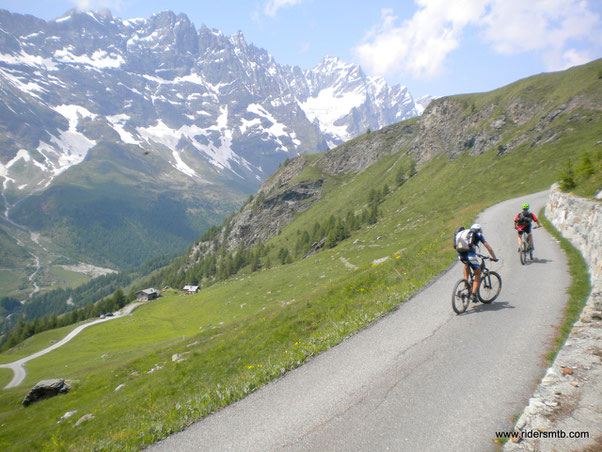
(83, 5)
(573, 57)
(419, 46)
(515, 25)
(272, 6)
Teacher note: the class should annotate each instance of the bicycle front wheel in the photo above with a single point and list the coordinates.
(461, 296)
(490, 287)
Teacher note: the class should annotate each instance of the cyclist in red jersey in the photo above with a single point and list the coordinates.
(523, 221)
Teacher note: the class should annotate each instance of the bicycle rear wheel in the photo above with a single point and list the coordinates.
(490, 287)
(461, 296)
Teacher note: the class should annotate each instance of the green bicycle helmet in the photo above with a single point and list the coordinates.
(526, 206)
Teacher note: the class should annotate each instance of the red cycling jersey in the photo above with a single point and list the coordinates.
(520, 227)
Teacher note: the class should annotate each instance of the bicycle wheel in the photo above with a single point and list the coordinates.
(461, 296)
(523, 253)
(490, 287)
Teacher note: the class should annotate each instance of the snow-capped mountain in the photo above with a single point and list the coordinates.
(196, 97)
(154, 113)
(345, 103)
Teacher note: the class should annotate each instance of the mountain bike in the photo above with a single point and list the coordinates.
(488, 290)
(525, 249)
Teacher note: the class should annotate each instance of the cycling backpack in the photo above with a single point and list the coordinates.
(464, 240)
(524, 218)
(460, 229)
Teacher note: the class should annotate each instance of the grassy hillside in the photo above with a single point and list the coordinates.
(240, 333)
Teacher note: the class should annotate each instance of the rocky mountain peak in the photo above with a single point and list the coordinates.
(193, 98)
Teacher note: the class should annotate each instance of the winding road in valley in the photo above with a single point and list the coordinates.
(18, 367)
(420, 379)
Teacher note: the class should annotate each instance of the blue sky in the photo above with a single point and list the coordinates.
(437, 47)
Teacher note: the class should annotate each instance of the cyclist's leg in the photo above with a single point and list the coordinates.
(462, 257)
(520, 230)
(471, 259)
(477, 280)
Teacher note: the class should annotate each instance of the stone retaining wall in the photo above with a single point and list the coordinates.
(568, 400)
(579, 221)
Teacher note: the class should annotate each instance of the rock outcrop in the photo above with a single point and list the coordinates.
(46, 389)
(455, 125)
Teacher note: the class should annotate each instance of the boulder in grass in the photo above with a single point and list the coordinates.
(46, 389)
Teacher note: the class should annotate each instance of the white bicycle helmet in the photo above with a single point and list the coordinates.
(476, 227)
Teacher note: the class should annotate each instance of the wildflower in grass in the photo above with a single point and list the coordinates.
(250, 367)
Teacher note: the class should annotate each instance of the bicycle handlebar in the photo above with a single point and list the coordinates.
(482, 256)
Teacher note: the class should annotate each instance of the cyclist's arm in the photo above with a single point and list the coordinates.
(491, 253)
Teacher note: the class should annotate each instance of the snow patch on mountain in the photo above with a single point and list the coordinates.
(30, 87)
(181, 166)
(118, 123)
(99, 60)
(423, 102)
(276, 129)
(329, 106)
(27, 59)
(21, 154)
(70, 147)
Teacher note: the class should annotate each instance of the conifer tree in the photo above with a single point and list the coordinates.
(567, 178)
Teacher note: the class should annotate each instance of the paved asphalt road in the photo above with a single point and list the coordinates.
(420, 379)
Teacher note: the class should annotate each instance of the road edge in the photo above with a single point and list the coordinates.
(568, 399)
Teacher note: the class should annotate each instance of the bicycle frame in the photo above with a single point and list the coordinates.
(482, 266)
